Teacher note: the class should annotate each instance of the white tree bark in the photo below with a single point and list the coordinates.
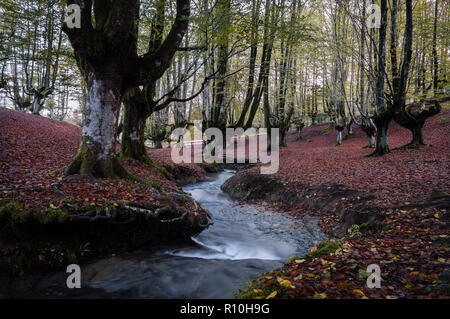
(371, 141)
(339, 137)
(102, 112)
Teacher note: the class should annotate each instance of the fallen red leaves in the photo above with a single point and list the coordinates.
(412, 251)
(33, 153)
(402, 175)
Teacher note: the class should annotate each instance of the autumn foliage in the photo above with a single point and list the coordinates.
(34, 152)
(409, 190)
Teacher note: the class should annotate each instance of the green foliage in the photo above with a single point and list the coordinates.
(354, 232)
(326, 130)
(323, 249)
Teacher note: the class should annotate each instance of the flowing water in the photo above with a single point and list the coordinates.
(243, 242)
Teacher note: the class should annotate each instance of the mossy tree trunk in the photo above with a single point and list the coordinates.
(140, 102)
(413, 117)
(417, 135)
(371, 141)
(368, 127)
(299, 131)
(283, 142)
(133, 135)
(137, 109)
(96, 154)
(399, 77)
(382, 137)
(284, 127)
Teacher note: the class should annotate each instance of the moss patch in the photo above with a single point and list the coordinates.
(265, 286)
(323, 249)
(326, 130)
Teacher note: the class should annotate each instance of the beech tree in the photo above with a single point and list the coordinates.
(413, 116)
(32, 43)
(139, 102)
(106, 52)
(383, 116)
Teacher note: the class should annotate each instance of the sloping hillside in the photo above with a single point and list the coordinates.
(49, 220)
(389, 211)
(34, 152)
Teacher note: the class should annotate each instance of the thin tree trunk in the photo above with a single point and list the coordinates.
(434, 53)
(383, 116)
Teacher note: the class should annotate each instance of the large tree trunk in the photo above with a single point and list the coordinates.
(133, 135)
(36, 106)
(434, 51)
(371, 141)
(105, 47)
(382, 137)
(405, 115)
(299, 131)
(96, 155)
(370, 130)
(283, 135)
(414, 120)
(383, 118)
(139, 102)
(417, 138)
(266, 56)
(252, 63)
(220, 89)
(339, 130)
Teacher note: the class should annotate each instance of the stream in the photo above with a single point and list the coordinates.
(244, 242)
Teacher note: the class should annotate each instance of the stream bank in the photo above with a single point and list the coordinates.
(408, 242)
(244, 241)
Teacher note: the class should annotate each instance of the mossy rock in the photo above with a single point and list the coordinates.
(182, 175)
(250, 185)
(323, 249)
(372, 228)
(9, 206)
(13, 214)
(212, 167)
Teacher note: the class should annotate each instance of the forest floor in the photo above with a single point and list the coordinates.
(35, 151)
(405, 231)
(35, 194)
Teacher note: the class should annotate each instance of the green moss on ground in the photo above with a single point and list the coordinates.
(326, 130)
(323, 249)
(265, 286)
